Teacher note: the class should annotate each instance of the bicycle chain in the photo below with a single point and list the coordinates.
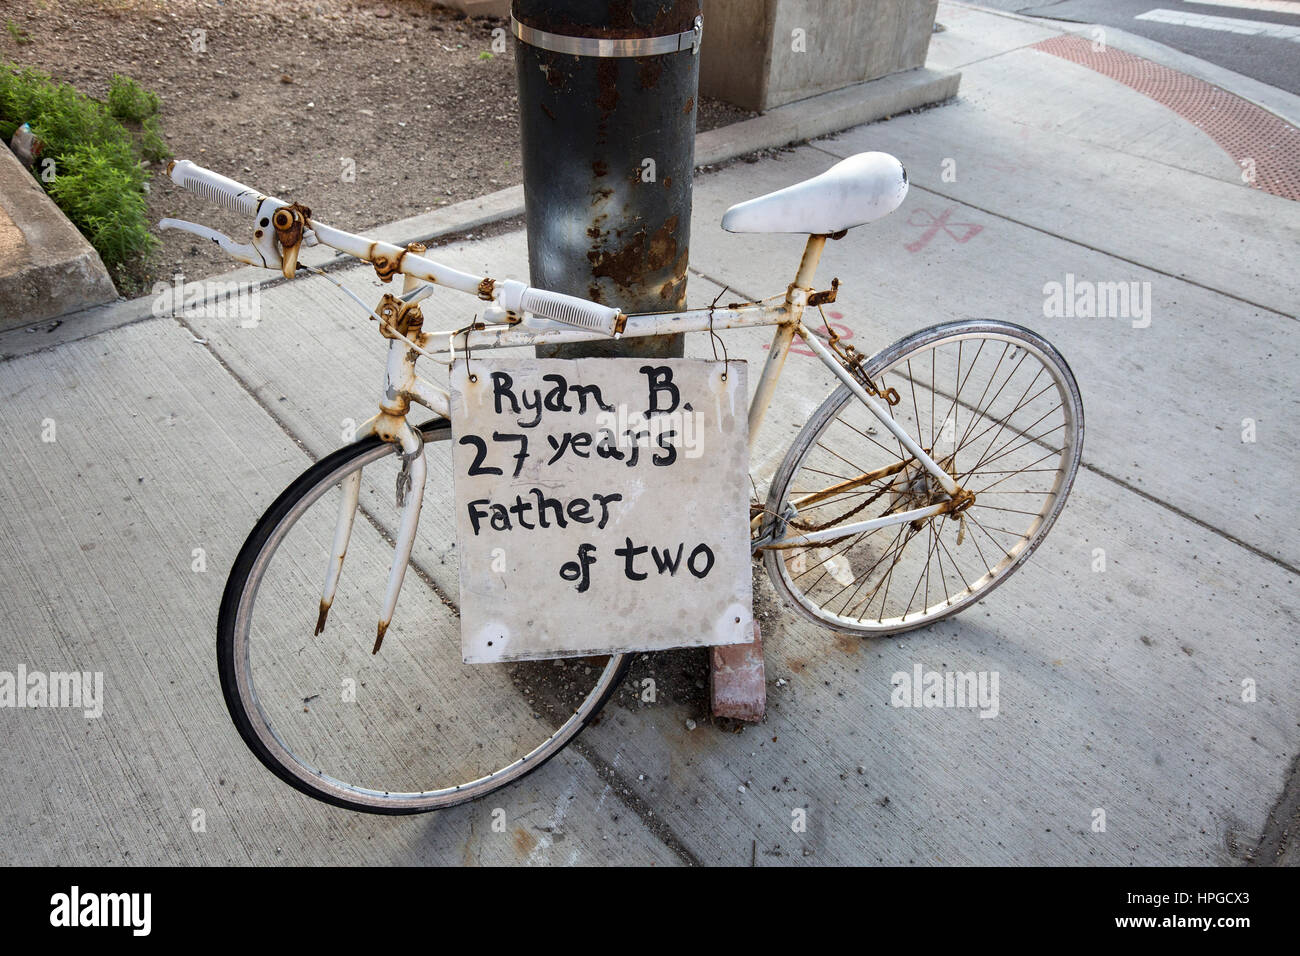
(810, 528)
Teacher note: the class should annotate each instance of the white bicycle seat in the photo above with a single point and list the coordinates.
(853, 192)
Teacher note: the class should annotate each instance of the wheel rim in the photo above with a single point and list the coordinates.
(1010, 412)
(480, 722)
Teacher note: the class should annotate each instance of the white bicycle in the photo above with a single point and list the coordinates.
(928, 476)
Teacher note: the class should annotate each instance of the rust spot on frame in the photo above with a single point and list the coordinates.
(386, 265)
(289, 222)
(486, 288)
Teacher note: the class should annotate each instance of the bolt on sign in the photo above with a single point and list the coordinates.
(601, 506)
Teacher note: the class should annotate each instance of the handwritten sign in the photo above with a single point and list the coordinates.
(601, 506)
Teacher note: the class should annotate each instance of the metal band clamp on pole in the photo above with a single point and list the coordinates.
(591, 46)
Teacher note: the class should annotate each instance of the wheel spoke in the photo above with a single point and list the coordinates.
(1018, 455)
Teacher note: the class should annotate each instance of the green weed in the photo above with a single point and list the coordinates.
(90, 158)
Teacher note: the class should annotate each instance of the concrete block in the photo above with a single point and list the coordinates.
(761, 54)
(47, 268)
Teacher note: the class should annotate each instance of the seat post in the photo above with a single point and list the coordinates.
(812, 254)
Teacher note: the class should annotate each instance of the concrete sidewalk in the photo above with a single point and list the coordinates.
(1121, 690)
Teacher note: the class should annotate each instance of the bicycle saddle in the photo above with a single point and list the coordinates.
(853, 192)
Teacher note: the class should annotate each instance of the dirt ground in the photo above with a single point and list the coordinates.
(293, 97)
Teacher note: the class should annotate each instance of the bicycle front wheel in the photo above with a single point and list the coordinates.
(997, 408)
(411, 728)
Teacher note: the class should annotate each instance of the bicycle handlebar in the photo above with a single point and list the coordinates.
(515, 297)
(213, 186)
(569, 309)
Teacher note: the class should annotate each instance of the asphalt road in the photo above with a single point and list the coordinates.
(1270, 59)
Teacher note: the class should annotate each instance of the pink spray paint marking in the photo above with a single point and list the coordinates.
(933, 225)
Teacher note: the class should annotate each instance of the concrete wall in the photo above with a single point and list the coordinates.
(763, 53)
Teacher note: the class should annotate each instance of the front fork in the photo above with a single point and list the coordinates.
(401, 387)
(410, 497)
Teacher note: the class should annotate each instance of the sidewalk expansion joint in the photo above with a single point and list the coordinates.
(1113, 255)
(1199, 522)
(623, 792)
(1279, 839)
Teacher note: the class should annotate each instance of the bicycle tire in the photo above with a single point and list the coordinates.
(238, 687)
(778, 562)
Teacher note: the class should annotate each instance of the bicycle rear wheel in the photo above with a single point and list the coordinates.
(994, 405)
(410, 728)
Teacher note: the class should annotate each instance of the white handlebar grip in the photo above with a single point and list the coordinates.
(572, 310)
(215, 187)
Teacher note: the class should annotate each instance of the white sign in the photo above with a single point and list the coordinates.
(602, 506)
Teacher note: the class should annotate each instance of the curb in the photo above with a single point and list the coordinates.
(47, 267)
(827, 113)
(792, 123)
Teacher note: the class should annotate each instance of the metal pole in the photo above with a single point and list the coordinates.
(608, 136)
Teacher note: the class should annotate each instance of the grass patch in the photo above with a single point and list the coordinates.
(90, 160)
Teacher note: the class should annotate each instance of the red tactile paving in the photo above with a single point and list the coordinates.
(1247, 133)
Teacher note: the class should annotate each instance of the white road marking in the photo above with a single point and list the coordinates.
(1276, 31)
(1268, 6)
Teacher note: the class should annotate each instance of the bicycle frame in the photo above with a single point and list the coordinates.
(402, 381)
(404, 387)
(806, 522)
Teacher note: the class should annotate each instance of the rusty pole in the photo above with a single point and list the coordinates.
(608, 151)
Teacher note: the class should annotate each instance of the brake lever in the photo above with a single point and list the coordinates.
(241, 251)
(263, 251)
